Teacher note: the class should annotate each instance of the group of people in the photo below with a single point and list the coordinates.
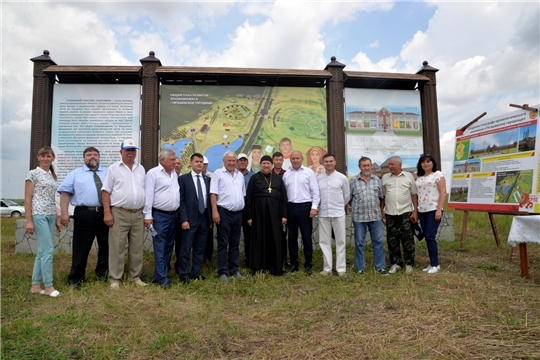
(314, 156)
(271, 208)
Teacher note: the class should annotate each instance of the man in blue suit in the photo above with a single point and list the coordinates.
(195, 217)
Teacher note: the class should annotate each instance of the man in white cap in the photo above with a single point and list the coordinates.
(123, 201)
(242, 166)
(205, 167)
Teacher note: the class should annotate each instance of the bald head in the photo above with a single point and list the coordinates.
(296, 159)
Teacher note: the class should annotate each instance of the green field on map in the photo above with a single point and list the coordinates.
(238, 117)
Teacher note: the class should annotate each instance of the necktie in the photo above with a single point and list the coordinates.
(200, 194)
(98, 183)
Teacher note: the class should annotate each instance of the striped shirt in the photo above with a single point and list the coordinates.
(366, 198)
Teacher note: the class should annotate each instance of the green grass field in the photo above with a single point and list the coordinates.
(478, 307)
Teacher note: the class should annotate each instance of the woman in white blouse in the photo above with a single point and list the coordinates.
(431, 186)
(40, 205)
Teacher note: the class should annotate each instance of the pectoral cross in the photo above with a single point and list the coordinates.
(269, 189)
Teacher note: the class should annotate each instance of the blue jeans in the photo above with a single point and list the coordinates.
(430, 226)
(228, 241)
(377, 235)
(165, 225)
(43, 265)
(193, 238)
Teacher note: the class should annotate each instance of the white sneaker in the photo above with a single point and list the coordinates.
(426, 268)
(434, 269)
(115, 285)
(408, 269)
(394, 268)
(341, 273)
(325, 273)
(139, 282)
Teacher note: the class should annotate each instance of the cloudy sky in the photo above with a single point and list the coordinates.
(487, 52)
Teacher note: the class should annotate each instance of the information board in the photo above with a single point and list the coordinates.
(92, 115)
(496, 164)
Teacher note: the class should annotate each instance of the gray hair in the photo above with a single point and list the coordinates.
(364, 158)
(397, 158)
(164, 154)
(229, 153)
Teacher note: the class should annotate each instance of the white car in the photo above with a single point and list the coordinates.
(11, 208)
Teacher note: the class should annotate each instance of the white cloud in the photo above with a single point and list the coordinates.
(374, 45)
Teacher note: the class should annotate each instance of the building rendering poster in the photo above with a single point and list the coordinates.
(381, 124)
(253, 120)
(496, 164)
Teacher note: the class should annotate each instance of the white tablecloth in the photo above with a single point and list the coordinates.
(525, 229)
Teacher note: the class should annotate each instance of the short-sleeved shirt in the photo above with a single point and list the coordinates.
(366, 198)
(80, 184)
(397, 190)
(43, 197)
(428, 192)
(230, 189)
(126, 186)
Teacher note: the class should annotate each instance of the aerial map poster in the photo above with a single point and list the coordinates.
(496, 164)
(255, 120)
(381, 124)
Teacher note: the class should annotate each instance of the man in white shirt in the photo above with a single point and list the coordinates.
(123, 200)
(335, 194)
(303, 196)
(162, 201)
(227, 191)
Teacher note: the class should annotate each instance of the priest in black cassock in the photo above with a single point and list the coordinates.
(266, 202)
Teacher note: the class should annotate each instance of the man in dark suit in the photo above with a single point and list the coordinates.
(195, 217)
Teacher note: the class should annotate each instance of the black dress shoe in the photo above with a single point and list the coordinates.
(292, 269)
(308, 271)
(184, 280)
(165, 286)
(75, 286)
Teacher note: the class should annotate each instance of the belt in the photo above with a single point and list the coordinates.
(164, 212)
(91, 208)
(229, 211)
(129, 210)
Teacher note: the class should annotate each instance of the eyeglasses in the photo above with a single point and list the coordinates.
(425, 155)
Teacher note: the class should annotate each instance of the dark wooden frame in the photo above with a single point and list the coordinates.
(151, 74)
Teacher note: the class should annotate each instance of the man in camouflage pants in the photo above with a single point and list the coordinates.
(400, 205)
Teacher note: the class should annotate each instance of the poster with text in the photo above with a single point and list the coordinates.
(381, 124)
(253, 120)
(92, 115)
(496, 164)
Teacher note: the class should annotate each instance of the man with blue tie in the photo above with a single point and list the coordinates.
(195, 219)
(162, 201)
(82, 187)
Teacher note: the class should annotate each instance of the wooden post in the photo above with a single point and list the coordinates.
(430, 112)
(523, 261)
(335, 110)
(149, 148)
(42, 100)
(464, 229)
(494, 229)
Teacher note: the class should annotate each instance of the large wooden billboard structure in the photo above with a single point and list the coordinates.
(152, 74)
